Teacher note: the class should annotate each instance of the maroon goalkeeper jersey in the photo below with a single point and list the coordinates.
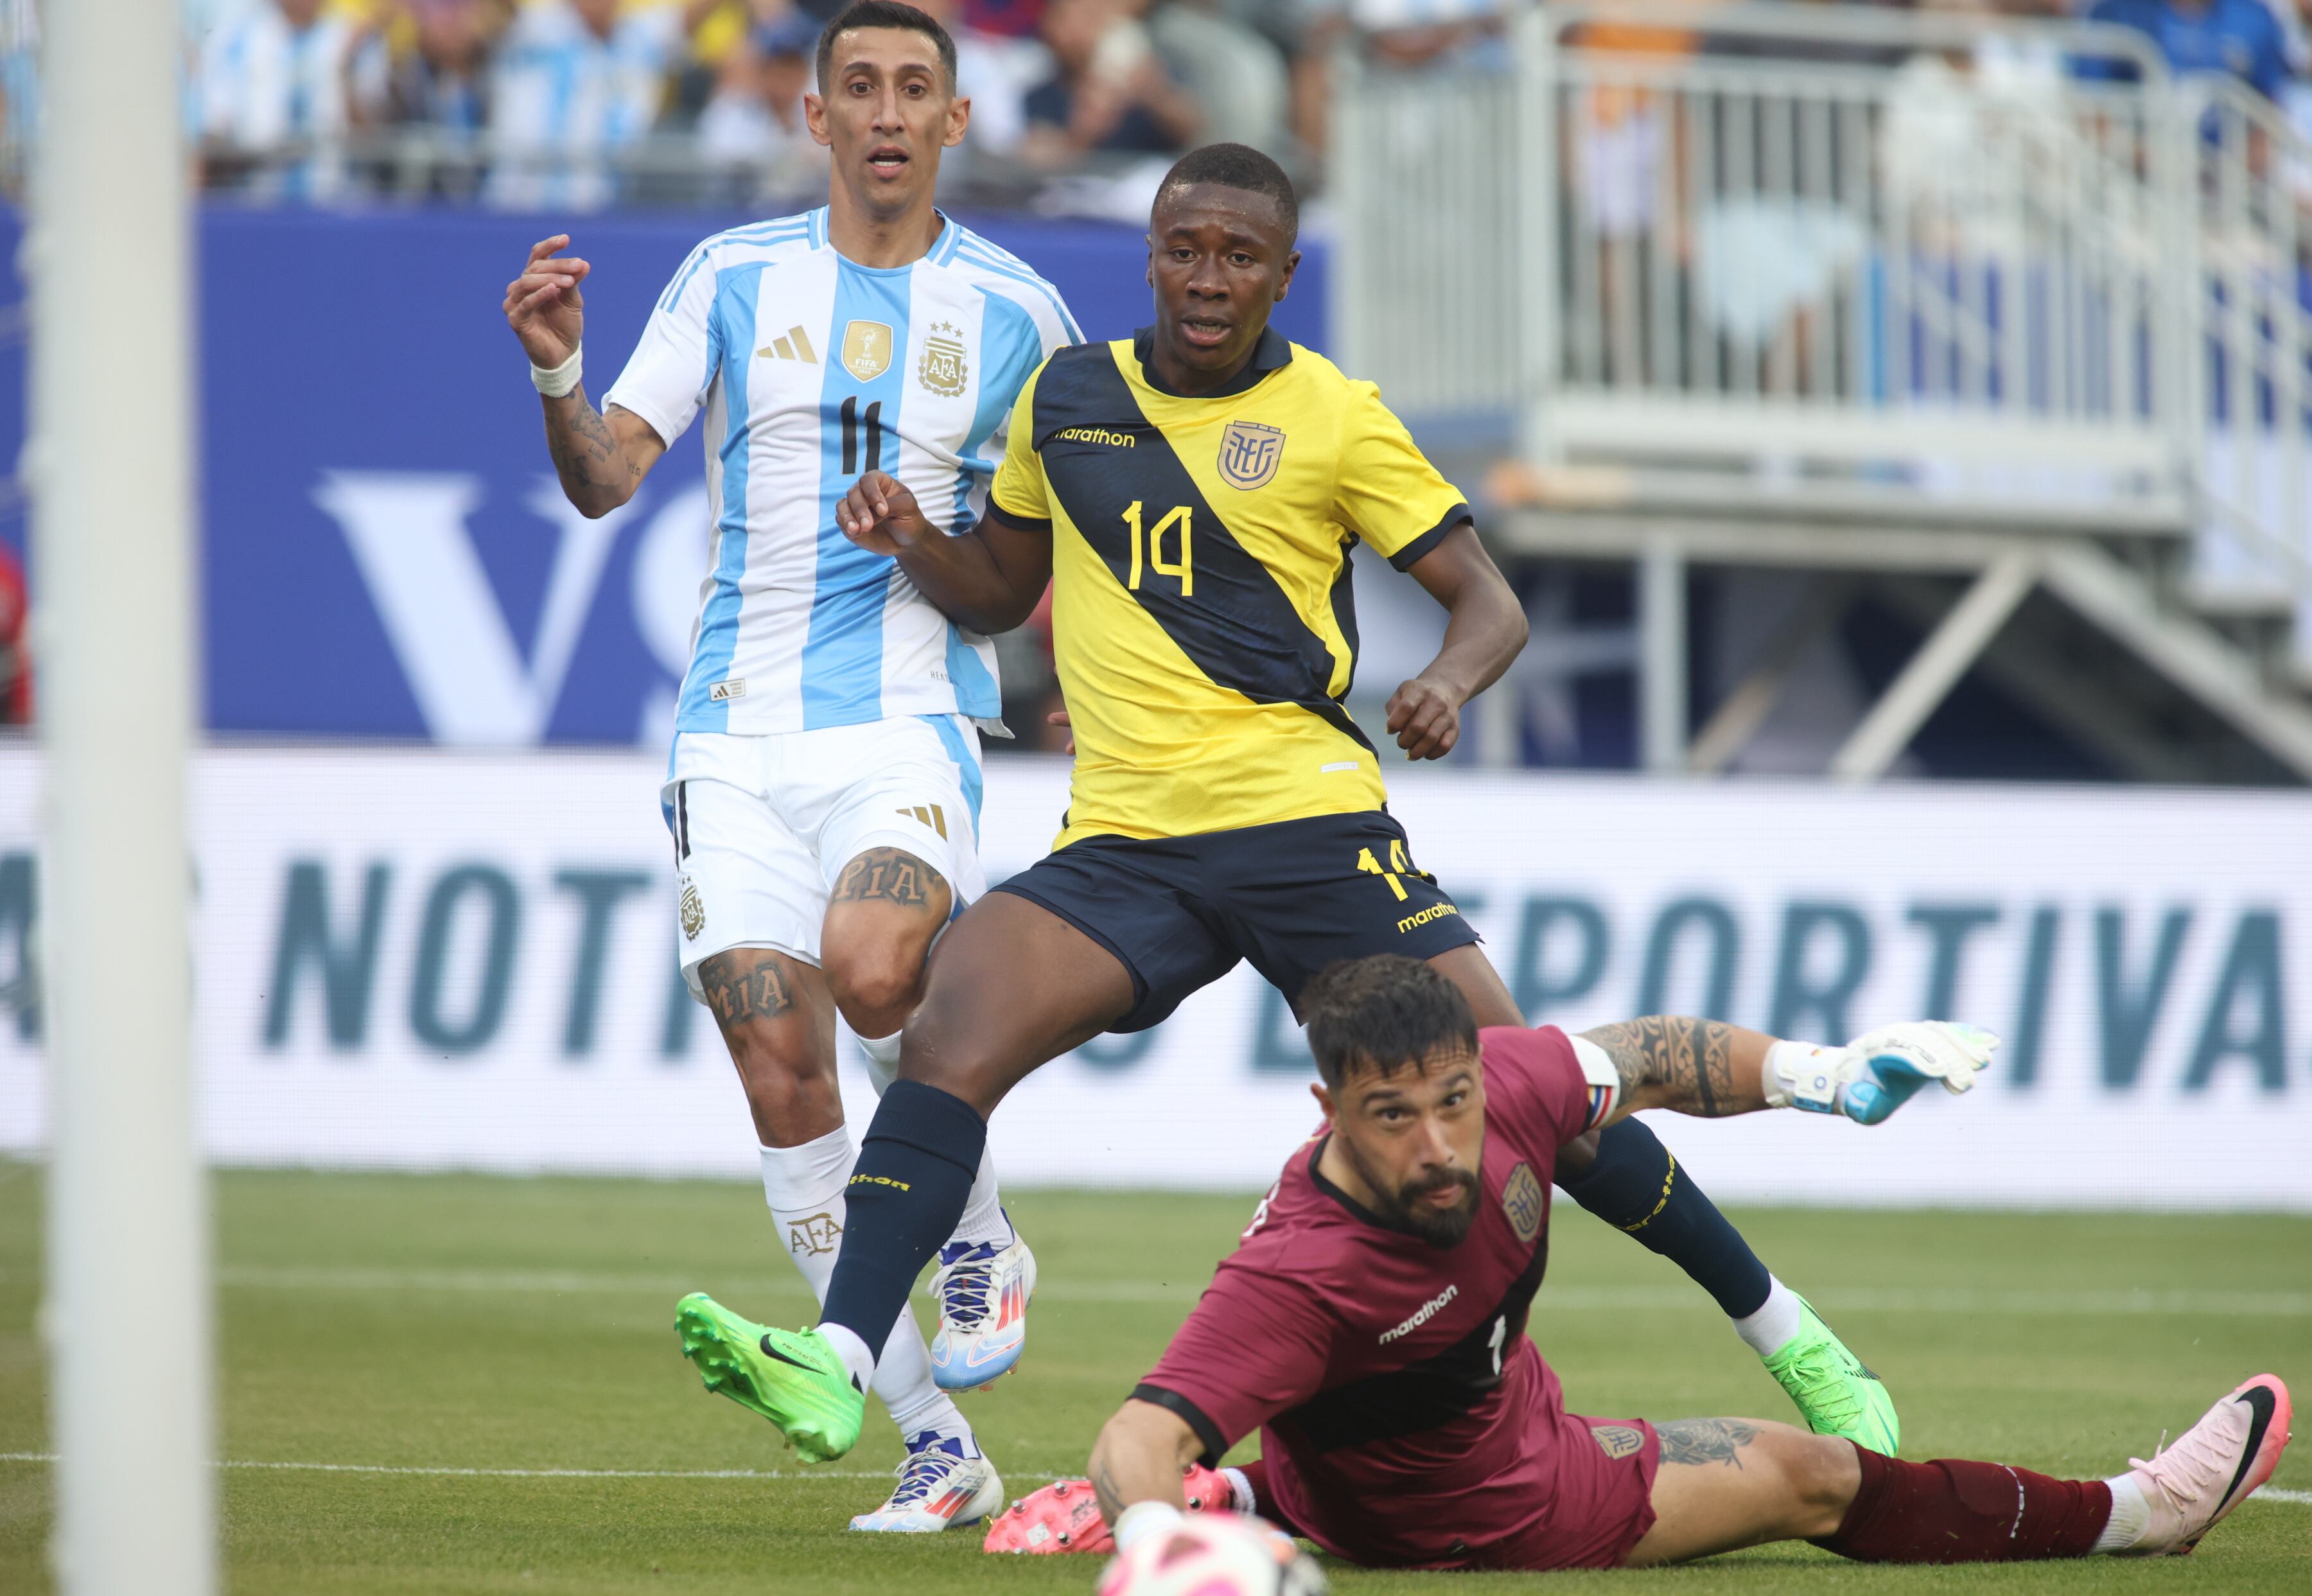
(1405, 1418)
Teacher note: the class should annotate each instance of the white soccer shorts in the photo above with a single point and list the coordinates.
(764, 825)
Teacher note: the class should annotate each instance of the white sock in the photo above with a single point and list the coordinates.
(983, 1211)
(804, 1187)
(2131, 1516)
(1777, 1320)
(882, 1060)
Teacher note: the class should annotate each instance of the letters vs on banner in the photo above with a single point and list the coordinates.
(423, 960)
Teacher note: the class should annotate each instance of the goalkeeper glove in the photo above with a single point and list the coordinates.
(1873, 1075)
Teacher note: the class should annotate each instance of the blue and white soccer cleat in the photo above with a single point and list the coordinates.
(983, 1292)
(939, 1488)
(1876, 1074)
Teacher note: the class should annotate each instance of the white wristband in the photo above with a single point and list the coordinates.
(1142, 1520)
(1800, 1075)
(559, 382)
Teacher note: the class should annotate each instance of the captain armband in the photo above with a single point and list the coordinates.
(1599, 1073)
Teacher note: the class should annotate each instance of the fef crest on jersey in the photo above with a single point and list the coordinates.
(1250, 452)
(1522, 1201)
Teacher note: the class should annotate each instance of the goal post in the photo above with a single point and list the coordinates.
(109, 467)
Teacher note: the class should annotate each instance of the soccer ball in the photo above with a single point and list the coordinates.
(1217, 1554)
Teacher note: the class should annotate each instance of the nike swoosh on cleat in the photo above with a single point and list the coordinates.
(770, 1351)
(2259, 1403)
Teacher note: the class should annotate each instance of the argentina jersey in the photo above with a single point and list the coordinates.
(811, 371)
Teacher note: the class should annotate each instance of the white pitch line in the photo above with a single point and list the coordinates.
(2212, 1304)
(451, 1473)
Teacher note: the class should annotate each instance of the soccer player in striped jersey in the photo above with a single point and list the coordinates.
(824, 787)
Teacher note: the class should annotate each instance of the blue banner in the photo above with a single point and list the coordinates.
(385, 552)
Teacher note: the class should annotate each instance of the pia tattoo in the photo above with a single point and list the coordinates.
(1705, 1441)
(742, 985)
(888, 876)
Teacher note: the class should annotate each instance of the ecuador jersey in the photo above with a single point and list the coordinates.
(811, 371)
(1405, 1418)
(1202, 617)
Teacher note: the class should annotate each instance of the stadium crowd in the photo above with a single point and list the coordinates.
(574, 103)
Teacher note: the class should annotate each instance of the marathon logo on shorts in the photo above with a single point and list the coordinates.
(722, 692)
(1422, 1315)
(881, 1181)
(1522, 1201)
(1618, 1440)
(1435, 911)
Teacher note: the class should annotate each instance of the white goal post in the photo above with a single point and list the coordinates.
(127, 1310)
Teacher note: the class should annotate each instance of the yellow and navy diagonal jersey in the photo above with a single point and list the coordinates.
(1201, 616)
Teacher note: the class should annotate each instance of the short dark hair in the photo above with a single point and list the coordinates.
(885, 14)
(1236, 166)
(1384, 1013)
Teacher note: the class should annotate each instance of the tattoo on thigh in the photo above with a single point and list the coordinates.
(888, 876)
(1705, 1441)
(741, 986)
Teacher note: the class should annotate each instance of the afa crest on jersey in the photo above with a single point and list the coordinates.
(941, 370)
(1250, 452)
(866, 349)
(1522, 1201)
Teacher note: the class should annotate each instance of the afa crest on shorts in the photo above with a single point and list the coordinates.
(942, 370)
(1250, 452)
(1522, 1201)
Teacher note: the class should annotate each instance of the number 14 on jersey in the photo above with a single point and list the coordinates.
(1183, 567)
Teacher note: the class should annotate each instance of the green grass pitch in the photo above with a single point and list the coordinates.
(385, 1333)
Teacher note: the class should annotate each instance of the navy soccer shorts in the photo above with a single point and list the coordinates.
(1292, 898)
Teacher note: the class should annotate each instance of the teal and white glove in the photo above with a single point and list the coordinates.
(1873, 1075)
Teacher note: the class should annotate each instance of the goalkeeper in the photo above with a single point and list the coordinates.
(1372, 1328)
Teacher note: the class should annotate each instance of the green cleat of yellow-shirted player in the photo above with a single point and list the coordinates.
(792, 1378)
(1835, 1391)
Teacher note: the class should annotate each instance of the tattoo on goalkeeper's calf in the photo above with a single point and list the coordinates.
(888, 876)
(745, 984)
(1701, 1440)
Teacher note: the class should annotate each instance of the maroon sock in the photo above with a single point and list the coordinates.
(1255, 1474)
(1951, 1511)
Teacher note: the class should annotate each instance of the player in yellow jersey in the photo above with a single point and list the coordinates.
(1191, 495)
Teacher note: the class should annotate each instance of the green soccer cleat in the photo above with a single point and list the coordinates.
(1835, 1393)
(792, 1378)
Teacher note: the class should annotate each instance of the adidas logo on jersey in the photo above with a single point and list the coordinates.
(794, 345)
(930, 814)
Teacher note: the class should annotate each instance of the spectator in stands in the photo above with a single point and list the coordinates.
(2240, 38)
(754, 121)
(994, 72)
(280, 86)
(441, 77)
(15, 643)
(1110, 92)
(575, 81)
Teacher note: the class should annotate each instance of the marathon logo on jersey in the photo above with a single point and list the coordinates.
(722, 692)
(1098, 435)
(1422, 1314)
(1250, 452)
(809, 1238)
(866, 349)
(942, 370)
(1618, 1440)
(1522, 1201)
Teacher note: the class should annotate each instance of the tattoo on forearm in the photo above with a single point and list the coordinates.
(586, 456)
(1694, 1058)
(1701, 1440)
(888, 876)
(1111, 1500)
(744, 985)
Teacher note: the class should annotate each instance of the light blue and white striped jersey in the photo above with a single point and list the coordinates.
(811, 371)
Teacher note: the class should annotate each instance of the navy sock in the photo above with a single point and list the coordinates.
(915, 1171)
(1636, 1186)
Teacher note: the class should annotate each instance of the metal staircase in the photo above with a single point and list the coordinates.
(1998, 325)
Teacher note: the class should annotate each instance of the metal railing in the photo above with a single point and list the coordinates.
(2017, 271)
